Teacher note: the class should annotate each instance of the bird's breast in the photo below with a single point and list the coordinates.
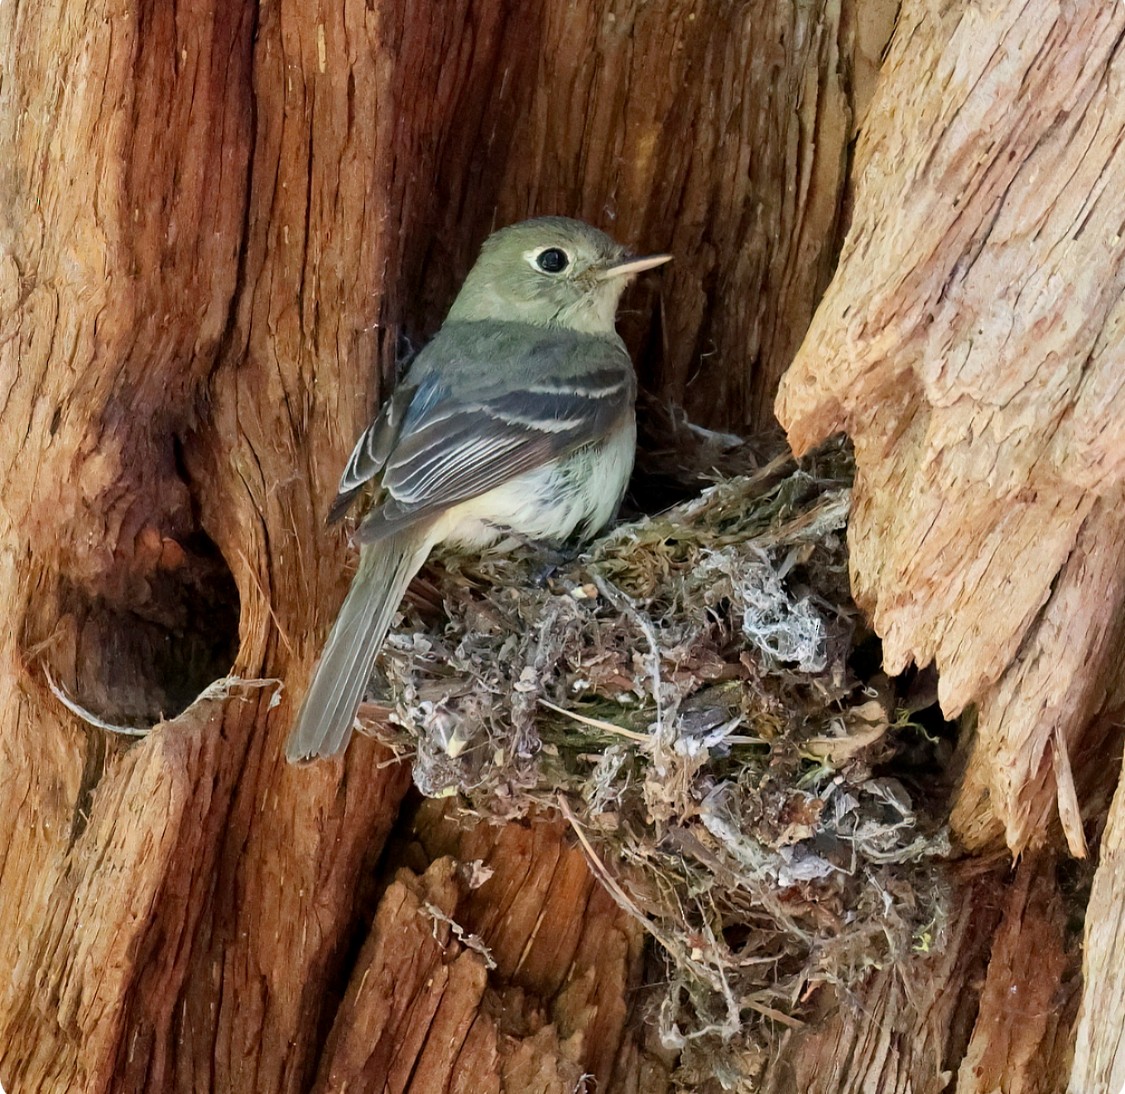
(579, 493)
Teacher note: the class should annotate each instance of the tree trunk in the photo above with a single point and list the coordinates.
(970, 345)
(221, 222)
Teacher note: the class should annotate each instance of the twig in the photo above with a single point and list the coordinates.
(624, 604)
(597, 723)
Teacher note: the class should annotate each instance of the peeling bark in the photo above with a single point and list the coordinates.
(1099, 1052)
(970, 344)
(1023, 1032)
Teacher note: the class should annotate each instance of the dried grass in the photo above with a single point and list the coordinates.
(682, 693)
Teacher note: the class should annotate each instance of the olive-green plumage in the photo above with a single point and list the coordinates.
(516, 419)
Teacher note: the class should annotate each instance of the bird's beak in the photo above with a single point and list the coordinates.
(631, 265)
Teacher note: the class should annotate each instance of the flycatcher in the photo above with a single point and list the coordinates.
(515, 423)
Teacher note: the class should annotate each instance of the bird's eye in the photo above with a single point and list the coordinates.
(552, 260)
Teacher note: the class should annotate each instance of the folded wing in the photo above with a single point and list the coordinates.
(480, 407)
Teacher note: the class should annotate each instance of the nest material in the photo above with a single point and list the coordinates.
(682, 693)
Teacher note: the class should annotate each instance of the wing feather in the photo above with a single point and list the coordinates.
(466, 421)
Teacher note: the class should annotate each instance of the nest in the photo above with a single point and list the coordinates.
(686, 695)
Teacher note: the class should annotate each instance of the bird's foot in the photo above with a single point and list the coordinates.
(549, 555)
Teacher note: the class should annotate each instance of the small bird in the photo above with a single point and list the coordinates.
(514, 423)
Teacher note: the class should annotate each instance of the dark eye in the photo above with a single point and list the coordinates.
(552, 260)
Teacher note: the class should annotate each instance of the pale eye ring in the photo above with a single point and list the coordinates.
(552, 260)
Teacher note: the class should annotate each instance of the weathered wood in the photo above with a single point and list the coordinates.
(423, 1009)
(970, 344)
(905, 1029)
(1024, 1027)
(415, 1014)
(584, 968)
(1099, 1050)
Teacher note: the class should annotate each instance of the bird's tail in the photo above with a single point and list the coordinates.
(324, 722)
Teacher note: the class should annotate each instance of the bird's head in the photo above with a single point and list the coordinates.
(550, 271)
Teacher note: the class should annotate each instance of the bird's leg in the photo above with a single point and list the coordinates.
(550, 554)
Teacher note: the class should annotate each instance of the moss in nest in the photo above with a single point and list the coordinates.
(682, 694)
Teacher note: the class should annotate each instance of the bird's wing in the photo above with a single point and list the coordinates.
(480, 411)
(369, 456)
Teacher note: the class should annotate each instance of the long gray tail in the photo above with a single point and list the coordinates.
(324, 723)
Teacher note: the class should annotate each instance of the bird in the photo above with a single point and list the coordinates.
(514, 424)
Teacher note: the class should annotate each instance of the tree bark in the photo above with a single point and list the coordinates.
(220, 223)
(970, 344)
(218, 220)
(1099, 1050)
(907, 1026)
(977, 305)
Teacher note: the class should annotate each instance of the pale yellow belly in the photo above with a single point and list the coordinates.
(551, 503)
